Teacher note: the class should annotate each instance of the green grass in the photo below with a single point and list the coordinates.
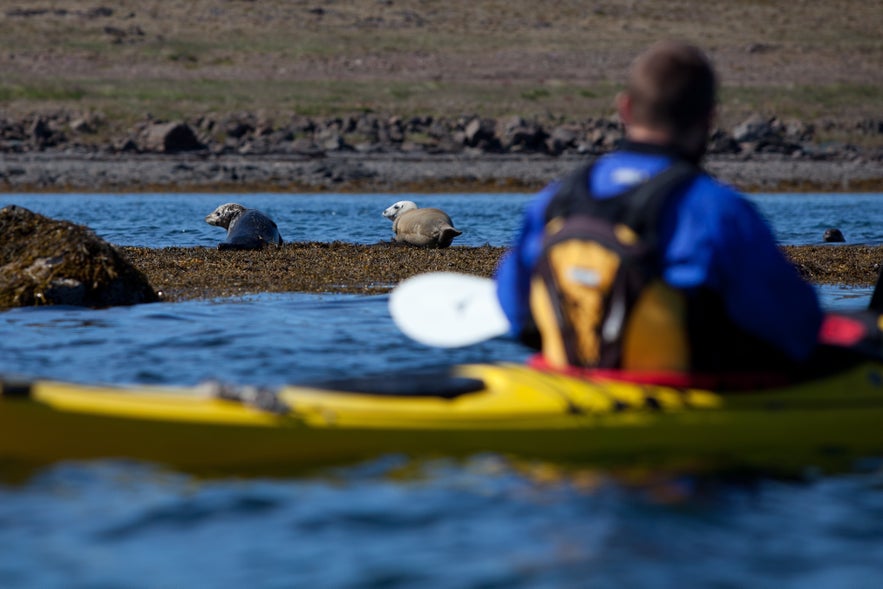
(51, 92)
(326, 97)
(804, 102)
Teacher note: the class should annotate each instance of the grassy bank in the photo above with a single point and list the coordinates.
(176, 59)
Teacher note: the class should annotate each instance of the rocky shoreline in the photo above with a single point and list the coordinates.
(64, 152)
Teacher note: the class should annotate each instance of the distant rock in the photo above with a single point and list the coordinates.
(170, 138)
(480, 132)
(516, 134)
(49, 262)
(753, 129)
(758, 136)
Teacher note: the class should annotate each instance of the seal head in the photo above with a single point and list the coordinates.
(833, 235)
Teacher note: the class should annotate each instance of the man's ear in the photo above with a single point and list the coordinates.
(624, 107)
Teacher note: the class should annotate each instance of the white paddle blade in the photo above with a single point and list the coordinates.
(447, 309)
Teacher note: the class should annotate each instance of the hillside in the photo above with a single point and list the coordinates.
(102, 72)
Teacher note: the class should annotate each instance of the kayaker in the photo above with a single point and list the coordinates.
(719, 295)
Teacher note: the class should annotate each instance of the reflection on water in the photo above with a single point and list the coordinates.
(398, 523)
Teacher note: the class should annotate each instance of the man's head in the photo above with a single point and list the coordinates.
(670, 97)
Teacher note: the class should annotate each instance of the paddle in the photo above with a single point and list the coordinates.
(447, 309)
(450, 310)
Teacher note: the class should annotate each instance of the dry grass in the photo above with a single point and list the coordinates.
(493, 57)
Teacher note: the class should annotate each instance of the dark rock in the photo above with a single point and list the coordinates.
(82, 125)
(870, 126)
(49, 262)
(170, 138)
(722, 142)
(393, 131)
(754, 129)
(43, 134)
(562, 138)
(481, 133)
(301, 125)
(127, 145)
(517, 134)
(797, 131)
(239, 129)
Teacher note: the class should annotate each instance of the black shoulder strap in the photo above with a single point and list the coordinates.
(574, 189)
(645, 201)
(637, 207)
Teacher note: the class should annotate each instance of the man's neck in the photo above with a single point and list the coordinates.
(648, 135)
(664, 139)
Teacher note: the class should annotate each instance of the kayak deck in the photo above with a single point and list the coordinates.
(500, 408)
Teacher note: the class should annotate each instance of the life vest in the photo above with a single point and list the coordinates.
(597, 296)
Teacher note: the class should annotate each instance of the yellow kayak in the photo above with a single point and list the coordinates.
(508, 409)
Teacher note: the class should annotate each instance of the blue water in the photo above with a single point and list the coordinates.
(164, 220)
(389, 522)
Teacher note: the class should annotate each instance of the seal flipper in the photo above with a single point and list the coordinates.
(447, 235)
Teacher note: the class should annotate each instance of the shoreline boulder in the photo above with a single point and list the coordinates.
(48, 262)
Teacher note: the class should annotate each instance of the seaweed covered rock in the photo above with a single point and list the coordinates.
(49, 262)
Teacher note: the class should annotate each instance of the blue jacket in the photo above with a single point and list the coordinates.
(710, 237)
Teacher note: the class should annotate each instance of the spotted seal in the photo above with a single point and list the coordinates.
(247, 229)
(424, 227)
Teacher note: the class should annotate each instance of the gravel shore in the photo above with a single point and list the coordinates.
(389, 172)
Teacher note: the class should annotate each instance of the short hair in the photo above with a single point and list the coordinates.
(672, 85)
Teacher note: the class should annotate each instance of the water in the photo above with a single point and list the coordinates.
(802, 219)
(389, 522)
(164, 220)
(263, 339)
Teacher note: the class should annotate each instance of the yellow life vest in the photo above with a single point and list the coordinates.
(597, 295)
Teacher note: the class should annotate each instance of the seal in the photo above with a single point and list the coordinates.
(424, 227)
(833, 235)
(247, 229)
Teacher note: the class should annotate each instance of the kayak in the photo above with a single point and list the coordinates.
(512, 410)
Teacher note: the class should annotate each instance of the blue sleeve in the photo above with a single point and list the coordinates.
(721, 241)
(514, 271)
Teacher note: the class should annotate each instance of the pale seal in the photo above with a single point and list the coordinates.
(424, 227)
(247, 229)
